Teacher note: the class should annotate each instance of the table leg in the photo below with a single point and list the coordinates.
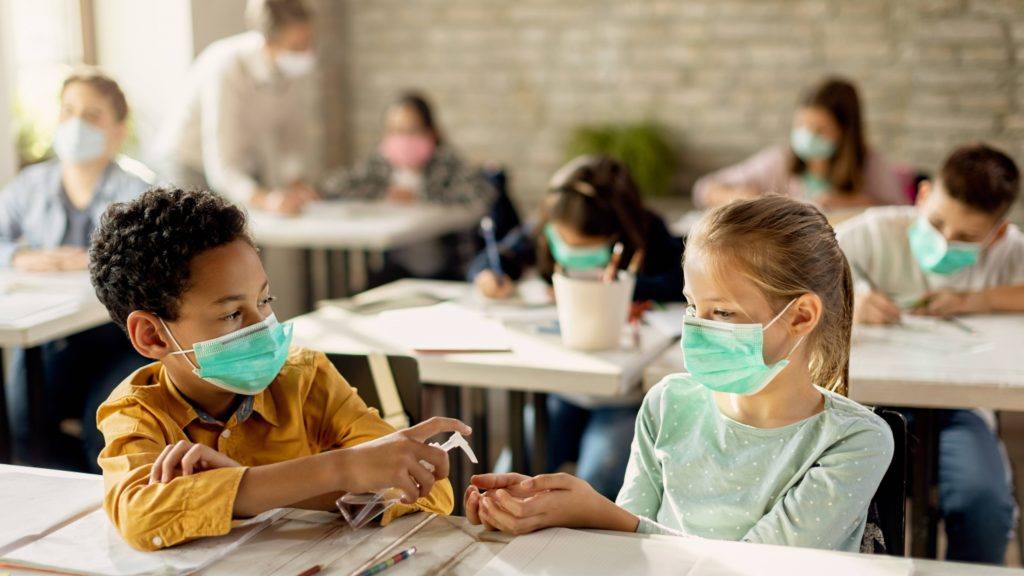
(539, 462)
(924, 518)
(516, 429)
(5, 423)
(40, 428)
(319, 276)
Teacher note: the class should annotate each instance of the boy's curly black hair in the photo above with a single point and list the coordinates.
(140, 254)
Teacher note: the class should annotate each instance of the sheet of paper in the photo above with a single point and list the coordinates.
(565, 551)
(667, 319)
(92, 545)
(927, 333)
(34, 504)
(18, 306)
(443, 328)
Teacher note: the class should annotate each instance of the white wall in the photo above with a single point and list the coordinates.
(213, 20)
(7, 158)
(147, 46)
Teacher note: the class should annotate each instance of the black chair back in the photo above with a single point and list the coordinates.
(355, 368)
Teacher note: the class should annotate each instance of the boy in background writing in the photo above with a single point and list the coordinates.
(952, 253)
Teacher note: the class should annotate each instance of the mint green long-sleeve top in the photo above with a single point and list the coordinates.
(694, 471)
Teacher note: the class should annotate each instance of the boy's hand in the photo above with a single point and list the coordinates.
(492, 286)
(394, 461)
(549, 500)
(948, 303)
(875, 308)
(185, 459)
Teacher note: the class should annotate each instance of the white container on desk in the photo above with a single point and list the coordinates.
(592, 313)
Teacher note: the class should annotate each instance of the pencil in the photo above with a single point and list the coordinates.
(311, 570)
(613, 263)
(384, 565)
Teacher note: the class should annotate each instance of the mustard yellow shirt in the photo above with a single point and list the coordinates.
(307, 409)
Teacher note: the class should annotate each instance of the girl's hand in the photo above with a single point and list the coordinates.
(471, 499)
(550, 500)
(401, 195)
(185, 459)
(492, 286)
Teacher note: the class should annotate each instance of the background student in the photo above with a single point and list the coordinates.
(47, 215)
(414, 163)
(593, 203)
(756, 442)
(249, 126)
(952, 253)
(229, 420)
(828, 160)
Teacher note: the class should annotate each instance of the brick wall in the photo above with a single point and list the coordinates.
(510, 79)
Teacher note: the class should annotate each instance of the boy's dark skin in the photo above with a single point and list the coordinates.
(228, 290)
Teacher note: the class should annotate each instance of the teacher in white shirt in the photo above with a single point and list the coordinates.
(250, 124)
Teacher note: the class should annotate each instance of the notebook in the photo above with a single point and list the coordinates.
(91, 545)
(34, 504)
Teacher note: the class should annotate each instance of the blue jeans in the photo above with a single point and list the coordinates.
(975, 496)
(597, 440)
(79, 372)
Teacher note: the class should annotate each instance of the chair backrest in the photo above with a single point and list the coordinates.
(889, 505)
(369, 376)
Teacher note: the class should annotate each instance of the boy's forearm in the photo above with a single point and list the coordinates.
(1005, 298)
(285, 484)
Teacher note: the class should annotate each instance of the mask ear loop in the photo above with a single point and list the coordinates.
(178, 346)
(779, 315)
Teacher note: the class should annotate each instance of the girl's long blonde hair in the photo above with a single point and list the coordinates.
(787, 248)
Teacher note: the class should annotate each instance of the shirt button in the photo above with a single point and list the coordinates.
(158, 541)
(226, 433)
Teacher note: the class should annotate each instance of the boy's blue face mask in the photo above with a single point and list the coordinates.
(245, 361)
(936, 254)
(726, 357)
(572, 257)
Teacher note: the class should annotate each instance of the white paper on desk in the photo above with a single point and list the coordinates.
(667, 320)
(565, 551)
(20, 305)
(444, 327)
(925, 333)
(34, 504)
(92, 545)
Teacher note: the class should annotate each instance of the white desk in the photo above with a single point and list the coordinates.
(538, 362)
(888, 374)
(81, 311)
(447, 545)
(355, 228)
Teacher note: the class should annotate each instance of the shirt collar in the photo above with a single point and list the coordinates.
(184, 411)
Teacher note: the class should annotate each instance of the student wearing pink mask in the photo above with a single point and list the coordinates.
(414, 163)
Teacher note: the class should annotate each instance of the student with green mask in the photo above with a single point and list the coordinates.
(827, 160)
(229, 420)
(591, 204)
(953, 253)
(757, 441)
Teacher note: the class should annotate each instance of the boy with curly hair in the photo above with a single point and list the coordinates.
(229, 421)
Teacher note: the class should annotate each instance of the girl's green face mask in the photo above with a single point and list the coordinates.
(572, 257)
(726, 357)
(245, 361)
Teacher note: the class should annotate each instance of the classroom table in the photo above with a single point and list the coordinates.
(356, 229)
(299, 540)
(886, 370)
(538, 362)
(75, 309)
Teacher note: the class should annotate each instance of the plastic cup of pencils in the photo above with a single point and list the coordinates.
(591, 312)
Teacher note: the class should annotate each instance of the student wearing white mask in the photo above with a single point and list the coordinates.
(827, 161)
(249, 127)
(47, 216)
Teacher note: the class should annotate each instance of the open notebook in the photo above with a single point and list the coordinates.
(35, 504)
(91, 545)
(565, 551)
